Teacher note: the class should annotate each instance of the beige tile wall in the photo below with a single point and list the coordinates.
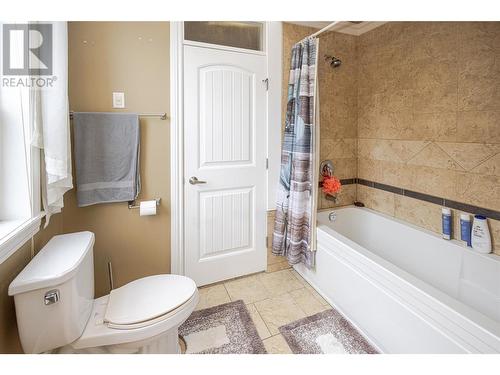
(338, 111)
(429, 116)
(338, 103)
(414, 105)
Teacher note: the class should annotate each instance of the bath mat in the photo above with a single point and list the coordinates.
(327, 332)
(223, 329)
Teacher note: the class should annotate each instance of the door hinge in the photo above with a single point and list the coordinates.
(266, 83)
(267, 163)
(267, 242)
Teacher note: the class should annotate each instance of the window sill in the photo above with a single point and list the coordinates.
(24, 230)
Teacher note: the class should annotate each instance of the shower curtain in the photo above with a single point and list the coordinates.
(294, 226)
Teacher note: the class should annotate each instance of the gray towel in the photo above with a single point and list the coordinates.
(107, 157)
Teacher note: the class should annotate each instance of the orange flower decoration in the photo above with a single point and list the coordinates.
(331, 185)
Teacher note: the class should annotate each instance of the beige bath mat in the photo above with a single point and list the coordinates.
(223, 329)
(327, 332)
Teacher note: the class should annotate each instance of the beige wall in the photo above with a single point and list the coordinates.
(9, 338)
(132, 57)
(338, 102)
(429, 117)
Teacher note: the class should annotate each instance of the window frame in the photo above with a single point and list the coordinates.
(224, 47)
(16, 238)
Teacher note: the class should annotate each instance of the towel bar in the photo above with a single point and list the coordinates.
(162, 116)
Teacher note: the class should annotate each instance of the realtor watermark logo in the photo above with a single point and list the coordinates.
(27, 55)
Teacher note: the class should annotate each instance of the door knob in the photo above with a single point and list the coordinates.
(194, 181)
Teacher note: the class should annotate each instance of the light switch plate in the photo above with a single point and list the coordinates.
(118, 100)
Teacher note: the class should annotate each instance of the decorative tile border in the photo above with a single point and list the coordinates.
(348, 181)
(492, 214)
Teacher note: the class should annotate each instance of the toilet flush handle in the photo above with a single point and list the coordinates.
(51, 297)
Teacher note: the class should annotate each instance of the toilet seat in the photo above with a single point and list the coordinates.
(146, 301)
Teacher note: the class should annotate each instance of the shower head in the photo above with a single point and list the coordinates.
(334, 61)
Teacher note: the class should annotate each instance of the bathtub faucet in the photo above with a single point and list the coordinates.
(332, 216)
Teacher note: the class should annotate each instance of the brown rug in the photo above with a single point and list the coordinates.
(223, 329)
(327, 332)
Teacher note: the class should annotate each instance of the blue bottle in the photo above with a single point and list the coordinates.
(446, 219)
(465, 229)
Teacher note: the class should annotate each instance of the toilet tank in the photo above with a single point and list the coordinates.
(54, 293)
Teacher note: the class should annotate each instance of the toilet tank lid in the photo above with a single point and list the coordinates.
(56, 263)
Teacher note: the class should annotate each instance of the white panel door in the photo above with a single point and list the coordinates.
(225, 111)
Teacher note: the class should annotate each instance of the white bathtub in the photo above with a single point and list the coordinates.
(406, 289)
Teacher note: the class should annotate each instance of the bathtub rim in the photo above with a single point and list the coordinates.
(448, 314)
(322, 219)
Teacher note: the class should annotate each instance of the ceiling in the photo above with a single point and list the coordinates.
(345, 27)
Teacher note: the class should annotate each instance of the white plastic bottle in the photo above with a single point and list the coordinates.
(481, 239)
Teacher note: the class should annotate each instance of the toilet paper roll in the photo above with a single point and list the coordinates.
(147, 208)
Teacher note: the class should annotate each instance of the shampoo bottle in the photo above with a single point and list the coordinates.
(446, 219)
(465, 229)
(481, 240)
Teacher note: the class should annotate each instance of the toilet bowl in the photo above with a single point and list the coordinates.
(56, 310)
(137, 318)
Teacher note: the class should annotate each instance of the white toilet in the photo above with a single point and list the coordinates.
(56, 310)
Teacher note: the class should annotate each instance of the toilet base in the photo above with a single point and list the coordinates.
(166, 343)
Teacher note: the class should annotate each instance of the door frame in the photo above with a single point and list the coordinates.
(273, 50)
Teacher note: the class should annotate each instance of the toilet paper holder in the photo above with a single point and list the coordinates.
(133, 206)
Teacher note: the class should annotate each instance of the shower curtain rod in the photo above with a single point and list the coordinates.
(326, 28)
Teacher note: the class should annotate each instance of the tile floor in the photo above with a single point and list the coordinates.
(274, 298)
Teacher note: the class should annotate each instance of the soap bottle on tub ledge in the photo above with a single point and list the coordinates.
(446, 221)
(481, 238)
(465, 229)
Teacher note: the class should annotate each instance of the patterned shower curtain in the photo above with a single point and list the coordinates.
(294, 226)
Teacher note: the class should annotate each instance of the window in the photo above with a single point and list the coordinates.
(19, 167)
(19, 173)
(247, 35)
(34, 117)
